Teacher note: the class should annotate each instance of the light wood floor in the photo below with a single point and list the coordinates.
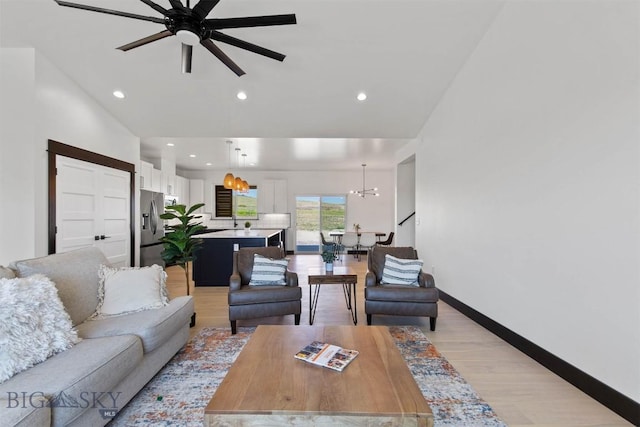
(522, 392)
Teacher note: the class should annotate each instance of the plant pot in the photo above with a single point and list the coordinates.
(328, 266)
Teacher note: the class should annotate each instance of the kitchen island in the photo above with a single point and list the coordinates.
(214, 261)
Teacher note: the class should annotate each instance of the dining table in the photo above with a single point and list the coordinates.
(337, 235)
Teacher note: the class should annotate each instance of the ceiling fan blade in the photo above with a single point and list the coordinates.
(146, 40)
(202, 9)
(249, 21)
(187, 50)
(155, 6)
(110, 12)
(224, 38)
(221, 56)
(177, 4)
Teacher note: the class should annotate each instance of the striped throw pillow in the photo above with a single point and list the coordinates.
(399, 271)
(268, 271)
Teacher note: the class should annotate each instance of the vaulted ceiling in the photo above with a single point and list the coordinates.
(299, 114)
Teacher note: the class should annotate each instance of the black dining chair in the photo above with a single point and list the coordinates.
(388, 241)
(335, 247)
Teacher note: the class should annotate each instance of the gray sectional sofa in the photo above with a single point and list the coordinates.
(117, 356)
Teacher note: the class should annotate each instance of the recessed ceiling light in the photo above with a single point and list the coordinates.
(170, 144)
(362, 96)
(118, 94)
(192, 155)
(242, 95)
(208, 163)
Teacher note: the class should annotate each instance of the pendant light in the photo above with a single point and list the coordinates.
(229, 179)
(245, 184)
(240, 185)
(365, 191)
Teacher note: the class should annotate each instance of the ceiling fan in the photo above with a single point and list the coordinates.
(191, 26)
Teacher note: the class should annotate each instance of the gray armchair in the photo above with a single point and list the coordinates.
(250, 302)
(398, 300)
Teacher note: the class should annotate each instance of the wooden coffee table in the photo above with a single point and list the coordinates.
(344, 276)
(267, 386)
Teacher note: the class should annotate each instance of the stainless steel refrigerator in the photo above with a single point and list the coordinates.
(152, 228)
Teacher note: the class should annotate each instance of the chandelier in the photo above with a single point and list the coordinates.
(365, 191)
(231, 182)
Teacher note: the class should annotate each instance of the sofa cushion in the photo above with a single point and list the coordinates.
(25, 412)
(6, 273)
(243, 259)
(268, 271)
(264, 294)
(399, 271)
(33, 324)
(401, 293)
(75, 274)
(127, 290)
(153, 327)
(72, 379)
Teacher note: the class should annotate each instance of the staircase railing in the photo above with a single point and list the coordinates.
(405, 220)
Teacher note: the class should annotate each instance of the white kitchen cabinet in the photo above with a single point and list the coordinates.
(146, 172)
(196, 193)
(272, 196)
(156, 180)
(169, 184)
(182, 190)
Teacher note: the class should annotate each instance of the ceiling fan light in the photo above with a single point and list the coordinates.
(229, 181)
(188, 37)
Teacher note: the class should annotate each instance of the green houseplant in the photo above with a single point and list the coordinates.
(180, 246)
(247, 225)
(328, 256)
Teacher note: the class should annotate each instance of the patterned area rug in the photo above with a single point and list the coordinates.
(178, 394)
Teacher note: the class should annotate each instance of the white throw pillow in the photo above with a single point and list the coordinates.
(33, 324)
(398, 271)
(268, 271)
(130, 289)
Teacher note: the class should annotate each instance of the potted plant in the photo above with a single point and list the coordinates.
(247, 225)
(180, 246)
(328, 256)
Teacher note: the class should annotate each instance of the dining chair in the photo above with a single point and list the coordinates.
(350, 240)
(388, 240)
(333, 246)
(367, 241)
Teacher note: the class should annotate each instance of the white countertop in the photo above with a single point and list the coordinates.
(240, 234)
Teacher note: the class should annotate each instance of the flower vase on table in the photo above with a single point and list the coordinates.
(328, 266)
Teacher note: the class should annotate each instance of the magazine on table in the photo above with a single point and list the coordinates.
(327, 355)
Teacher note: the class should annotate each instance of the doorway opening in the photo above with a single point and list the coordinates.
(315, 214)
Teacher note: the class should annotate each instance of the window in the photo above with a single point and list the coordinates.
(315, 214)
(228, 202)
(246, 204)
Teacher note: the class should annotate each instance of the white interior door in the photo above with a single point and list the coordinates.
(92, 209)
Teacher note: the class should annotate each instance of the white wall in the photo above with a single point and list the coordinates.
(405, 203)
(17, 159)
(528, 183)
(61, 111)
(372, 213)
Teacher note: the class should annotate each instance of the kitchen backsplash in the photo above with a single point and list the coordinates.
(264, 221)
